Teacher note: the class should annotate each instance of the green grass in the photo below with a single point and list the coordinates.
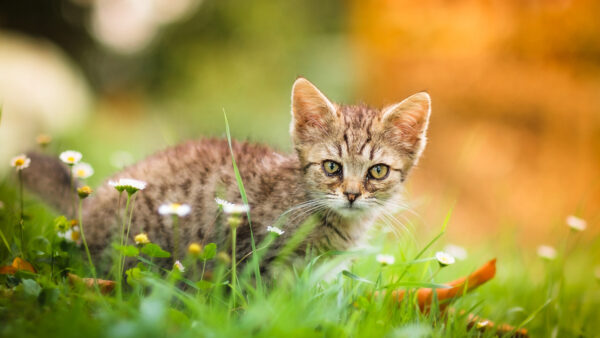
(550, 298)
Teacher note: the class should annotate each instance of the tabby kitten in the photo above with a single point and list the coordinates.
(349, 167)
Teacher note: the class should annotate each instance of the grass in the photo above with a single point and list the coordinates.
(557, 297)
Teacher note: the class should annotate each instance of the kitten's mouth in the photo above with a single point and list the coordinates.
(350, 209)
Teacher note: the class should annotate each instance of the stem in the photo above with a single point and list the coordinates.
(119, 204)
(233, 263)
(130, 216)
(87, 250)
(52, 258)
(435, 273)
(203, 267)
(127, 235)
(119, 274)
(176, 235)
(72, 180)
(21, 221)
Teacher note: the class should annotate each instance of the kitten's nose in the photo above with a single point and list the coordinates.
(352, 196)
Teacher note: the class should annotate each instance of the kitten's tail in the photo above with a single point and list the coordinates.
(50, 179)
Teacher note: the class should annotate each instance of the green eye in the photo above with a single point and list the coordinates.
(332, 168)
(379, 171)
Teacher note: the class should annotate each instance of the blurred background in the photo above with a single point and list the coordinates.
(515, 132)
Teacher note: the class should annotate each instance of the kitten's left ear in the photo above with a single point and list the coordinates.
(312, 112)
(406, 123)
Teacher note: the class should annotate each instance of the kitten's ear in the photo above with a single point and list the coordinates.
(312, 112)
(406, 123)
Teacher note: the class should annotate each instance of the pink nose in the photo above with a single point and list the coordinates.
(352, 196)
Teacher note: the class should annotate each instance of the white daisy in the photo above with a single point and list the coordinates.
(82, 170)
(71, 235)
(444, 258)
(275, 230)
(179, 266)
(546, 252)
(385, 259)
(232, 209)
(576, 223)
(456, 251)
(128, 184)
(180, 210)
(70, 157)
(20, 162)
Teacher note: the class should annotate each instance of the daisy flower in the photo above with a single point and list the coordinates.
(71, 235)
(20, 162)
(385, 259)
(444, 258)
(456, 251)
(195, 249)
(82, 170)
(180, 210)
(576, 223)
(179, 266)
(275, 230)
(70, 157)
(231, 208)
(546, 252)
(141, 239)
(128, 184)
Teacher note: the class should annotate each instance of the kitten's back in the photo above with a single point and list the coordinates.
(195, 173)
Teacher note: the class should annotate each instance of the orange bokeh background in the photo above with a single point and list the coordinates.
(514, 140)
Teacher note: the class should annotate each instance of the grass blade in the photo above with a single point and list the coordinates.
(238, 178)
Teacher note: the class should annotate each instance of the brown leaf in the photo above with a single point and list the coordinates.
(17, 264)
(105, 286)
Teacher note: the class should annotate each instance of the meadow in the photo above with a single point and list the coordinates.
(554, 292)
(510, 171)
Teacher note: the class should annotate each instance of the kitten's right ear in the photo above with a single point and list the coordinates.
(312, 112)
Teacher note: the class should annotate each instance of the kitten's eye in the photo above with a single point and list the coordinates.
(332, 168)
(379, 171)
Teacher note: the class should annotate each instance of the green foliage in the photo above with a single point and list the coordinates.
(127, 250)
(209, 252)
(154, 250)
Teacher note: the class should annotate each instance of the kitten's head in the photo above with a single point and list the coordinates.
(355, 158)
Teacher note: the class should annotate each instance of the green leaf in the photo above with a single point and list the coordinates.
(204, 285)
(209, 252)
(134, 275)
(31, 288)
(127, 250)
(153, 250)
(355, 277)
(408, 284)
(49, 296)
(177, 317)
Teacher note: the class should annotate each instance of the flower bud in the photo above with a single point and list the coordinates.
(141, 239)
(223, 257)
(195, 249)
(84, 191)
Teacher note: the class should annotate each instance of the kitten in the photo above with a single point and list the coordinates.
(349, 167)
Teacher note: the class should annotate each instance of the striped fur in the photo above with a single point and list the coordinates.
(294, 186)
